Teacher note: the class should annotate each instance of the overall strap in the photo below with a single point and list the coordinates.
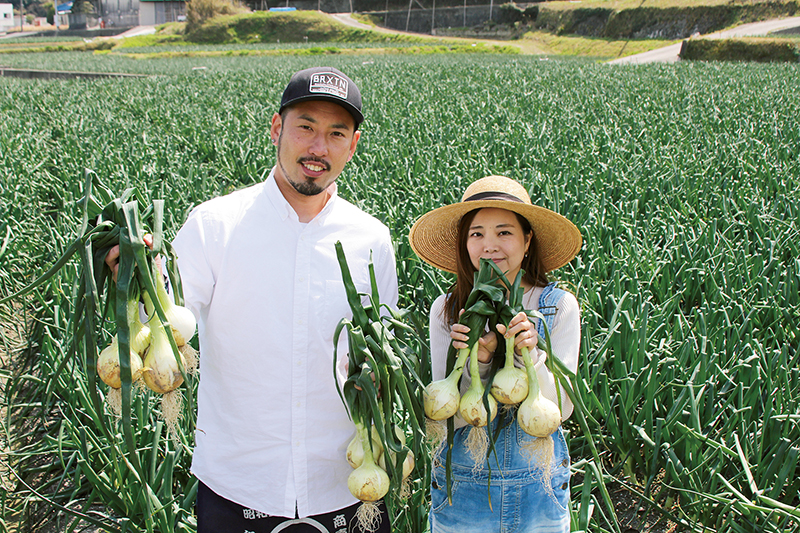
(548, 301)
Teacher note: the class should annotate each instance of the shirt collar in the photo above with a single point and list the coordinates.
(285, 210)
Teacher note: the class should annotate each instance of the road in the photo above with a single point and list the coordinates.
(669, 54)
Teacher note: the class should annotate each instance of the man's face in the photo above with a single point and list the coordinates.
(315, 140)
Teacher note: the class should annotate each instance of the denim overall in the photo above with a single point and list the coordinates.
(519, 502)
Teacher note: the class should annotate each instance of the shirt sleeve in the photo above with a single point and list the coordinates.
(197, 275)
(386, 274)
(439, 333)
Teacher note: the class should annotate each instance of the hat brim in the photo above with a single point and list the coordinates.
(434, 236)
(358, 117)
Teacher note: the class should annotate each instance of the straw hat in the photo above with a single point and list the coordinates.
(434, 235)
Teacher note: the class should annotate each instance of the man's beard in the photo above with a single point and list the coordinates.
(306, 187)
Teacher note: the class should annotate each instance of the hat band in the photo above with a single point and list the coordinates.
(493, 195)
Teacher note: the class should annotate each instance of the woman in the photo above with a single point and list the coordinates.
(495, 220)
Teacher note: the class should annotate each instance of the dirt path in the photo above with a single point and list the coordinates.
(669, 54)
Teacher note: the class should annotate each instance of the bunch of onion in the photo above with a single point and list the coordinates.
(109, 361)
(379, 395)
(443, 398)
(110, 221)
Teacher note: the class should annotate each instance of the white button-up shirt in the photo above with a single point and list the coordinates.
(267, 292)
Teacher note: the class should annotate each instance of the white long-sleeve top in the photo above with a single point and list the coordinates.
(268, 294)
(565, 339)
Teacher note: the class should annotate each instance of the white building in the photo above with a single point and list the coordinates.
(6, 17)
(153, 12)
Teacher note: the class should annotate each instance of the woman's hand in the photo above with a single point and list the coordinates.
(486, 344)
(521, 328)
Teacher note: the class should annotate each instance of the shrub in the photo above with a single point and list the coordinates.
(509, 13)
(758, 50)
(199, 11)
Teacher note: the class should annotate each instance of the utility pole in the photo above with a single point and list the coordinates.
(20, 17)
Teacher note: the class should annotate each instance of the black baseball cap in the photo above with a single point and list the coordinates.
(324, 83)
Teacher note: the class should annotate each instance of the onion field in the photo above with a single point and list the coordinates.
(684, 180)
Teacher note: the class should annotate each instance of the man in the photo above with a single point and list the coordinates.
(259, 271)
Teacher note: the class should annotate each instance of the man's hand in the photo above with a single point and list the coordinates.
(112, 257)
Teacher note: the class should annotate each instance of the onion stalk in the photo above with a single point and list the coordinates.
(139, 332)
(473, 409)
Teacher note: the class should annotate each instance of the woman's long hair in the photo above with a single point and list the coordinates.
(535, 274)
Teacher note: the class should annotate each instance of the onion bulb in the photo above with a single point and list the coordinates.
(368, 483)
(161, 372)
(181, 320)
(441, 398)
(408, 462)
(472, 409)
(510, 384)
(108, 367)
(355, 451)
(139, 332)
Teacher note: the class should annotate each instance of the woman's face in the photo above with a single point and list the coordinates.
(496, 234)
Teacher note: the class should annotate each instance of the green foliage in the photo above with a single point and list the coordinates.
(200, 11)
(512, 14)
(283, 27)
(758, 50)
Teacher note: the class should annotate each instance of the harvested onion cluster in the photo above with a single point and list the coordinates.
(493, 300)
(381, 395)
